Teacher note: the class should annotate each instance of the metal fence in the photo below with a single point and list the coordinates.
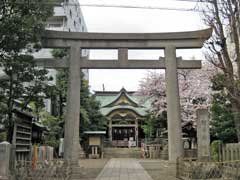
(44, 170)
(189, 169)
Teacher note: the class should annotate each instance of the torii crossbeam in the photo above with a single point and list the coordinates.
(76, 41)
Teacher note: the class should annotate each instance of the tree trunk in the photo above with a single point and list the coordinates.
(10, 134)
(10, 103)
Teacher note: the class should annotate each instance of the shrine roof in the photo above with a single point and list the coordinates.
(116, 100)
(141, 111)
(40, 126)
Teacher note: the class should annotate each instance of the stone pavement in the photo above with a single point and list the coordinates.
(159, 169)
(123, 169)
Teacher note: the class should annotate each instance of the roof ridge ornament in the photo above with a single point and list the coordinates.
(123, 90)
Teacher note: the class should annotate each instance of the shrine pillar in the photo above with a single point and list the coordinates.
(175, 145)
(71, 136)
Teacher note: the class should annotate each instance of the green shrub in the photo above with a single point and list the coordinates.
(215, 145)
(53, 142)
(3, 136)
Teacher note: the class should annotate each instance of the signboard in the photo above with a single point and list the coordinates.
(132, 144)
(94, 141)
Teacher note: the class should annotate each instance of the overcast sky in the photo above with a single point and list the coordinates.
(105, 19)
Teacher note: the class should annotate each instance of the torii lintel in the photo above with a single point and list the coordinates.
(180, 40)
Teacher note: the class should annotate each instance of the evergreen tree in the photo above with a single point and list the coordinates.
(51, 123)
(222, 124)
(21, 24)
(91, 117)
(154, 123)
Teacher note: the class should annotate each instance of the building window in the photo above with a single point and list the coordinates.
(80, 21)
(83, 29)
(74, 23)
(54, 25)
(69, 30)
(70, 12)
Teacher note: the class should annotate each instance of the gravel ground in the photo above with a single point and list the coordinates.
(91, 167)
(159, 169)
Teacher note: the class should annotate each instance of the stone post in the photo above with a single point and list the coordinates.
(71, 137)
(110, 130)
(175, 144)
(203, 135)
(5, 151)
(136, 131)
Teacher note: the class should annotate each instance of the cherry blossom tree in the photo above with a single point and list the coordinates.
(194, 88)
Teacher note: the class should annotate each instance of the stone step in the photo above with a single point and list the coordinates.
(122, 153)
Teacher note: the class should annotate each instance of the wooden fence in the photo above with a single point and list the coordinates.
(188, 169)
(230, 152)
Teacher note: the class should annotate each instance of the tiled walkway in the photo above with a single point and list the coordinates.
(123, 169)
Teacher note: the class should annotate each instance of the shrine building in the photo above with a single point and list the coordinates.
(125, 112)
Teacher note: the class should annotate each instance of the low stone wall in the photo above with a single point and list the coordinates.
(190, 153)
(5, 152)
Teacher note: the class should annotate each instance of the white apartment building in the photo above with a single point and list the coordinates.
(67, 17)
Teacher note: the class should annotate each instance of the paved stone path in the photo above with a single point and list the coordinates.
(123, 169)
(159, 169)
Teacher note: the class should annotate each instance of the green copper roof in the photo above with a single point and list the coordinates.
(138, 104)
(122, 93)
(141, 111)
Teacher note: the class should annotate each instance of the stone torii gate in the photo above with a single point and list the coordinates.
(76, 41)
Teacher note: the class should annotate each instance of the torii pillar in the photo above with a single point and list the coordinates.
(173, 106)
(71, 128)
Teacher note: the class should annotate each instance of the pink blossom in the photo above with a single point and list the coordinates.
(194, 89)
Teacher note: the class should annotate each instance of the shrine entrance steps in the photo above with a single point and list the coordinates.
(122, 152)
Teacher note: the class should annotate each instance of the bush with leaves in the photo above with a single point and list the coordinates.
(3, 136)
(215, 150)
(153, 123)
(55, 130)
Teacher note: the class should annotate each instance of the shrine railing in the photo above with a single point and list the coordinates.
(189, 169)
(44, 170)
